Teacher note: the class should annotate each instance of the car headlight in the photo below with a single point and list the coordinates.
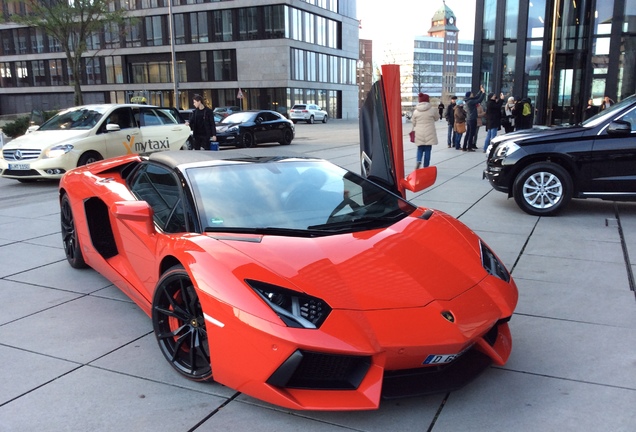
(58, 150)
(492, 265)
(293, 308)
(507, 149)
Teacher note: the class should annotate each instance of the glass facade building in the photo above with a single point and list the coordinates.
(558, 53)
(276, 53)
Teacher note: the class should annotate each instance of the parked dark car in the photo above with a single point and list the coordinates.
(544, 168)
(248, 128)
(225, 111)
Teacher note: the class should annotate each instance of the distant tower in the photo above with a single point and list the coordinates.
(443, 26)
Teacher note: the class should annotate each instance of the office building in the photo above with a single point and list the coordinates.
(557, 53)
(257, 54)
(442, 62)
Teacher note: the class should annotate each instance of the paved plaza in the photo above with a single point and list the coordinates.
(77, 355)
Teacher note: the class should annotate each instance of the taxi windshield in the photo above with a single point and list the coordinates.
(83, 118)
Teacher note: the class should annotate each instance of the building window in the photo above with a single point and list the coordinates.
(22, 73)
(179, 29)
(154, 31)
(93, 71)
(6, 76)
(114, 70)
(133, 33)
(39, 73)
(223, 64)
(536, 19)
(248, 23)
(203, 59)
(274, 17)
(111, 35)
(199, 27)
(56, 72)
(222, 25)
(93, 42)
(37, 40)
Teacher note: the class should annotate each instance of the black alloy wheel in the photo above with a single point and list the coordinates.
(288, 135)
(543, 189)
(71, 244)
(179, 325)
(247, 139)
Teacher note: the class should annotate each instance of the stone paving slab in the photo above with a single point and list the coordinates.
(78, 355)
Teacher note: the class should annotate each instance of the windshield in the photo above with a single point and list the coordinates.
(74, 118)
(292, 194)
(240, 117)
(604, 115)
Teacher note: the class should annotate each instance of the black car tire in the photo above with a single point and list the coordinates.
(70, 242)
(247, 139)
(288, 135)
(89, 157)
(179, 325)
(325, 118)
(542, 189)
(311, 120)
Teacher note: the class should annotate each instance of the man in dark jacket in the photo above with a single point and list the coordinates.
(450, 118)
(471, 102)
(202, 124)
(493, 117)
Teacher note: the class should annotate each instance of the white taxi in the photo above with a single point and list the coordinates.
(84, 134)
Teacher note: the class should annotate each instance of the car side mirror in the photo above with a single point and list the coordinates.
(420, 179)
(619, 127)
(138, 215)
(112, 127)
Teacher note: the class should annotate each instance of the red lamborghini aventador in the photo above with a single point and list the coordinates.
(289, 278)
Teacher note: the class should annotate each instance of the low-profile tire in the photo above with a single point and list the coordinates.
(287, 138)
(70, 241)
(89, 157)
(311, 120)
(179, 325)
(543, 189)
(247, 139)
(325, 118)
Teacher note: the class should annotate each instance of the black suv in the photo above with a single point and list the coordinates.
(543, 168)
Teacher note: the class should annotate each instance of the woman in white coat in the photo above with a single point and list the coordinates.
(423, 120)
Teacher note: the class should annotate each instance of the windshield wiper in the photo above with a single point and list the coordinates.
(277, 231)
(358, 222)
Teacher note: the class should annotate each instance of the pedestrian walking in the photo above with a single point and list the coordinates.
(202, 123)
(423, 121)
(440, 108)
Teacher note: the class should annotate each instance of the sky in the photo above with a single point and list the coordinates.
(393, 28)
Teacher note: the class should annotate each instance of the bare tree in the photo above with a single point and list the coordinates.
(71, 23)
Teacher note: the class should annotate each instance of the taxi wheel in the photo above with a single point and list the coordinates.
(89, 157)
(179, 325)
(70, 241)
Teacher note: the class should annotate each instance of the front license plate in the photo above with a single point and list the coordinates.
(19, 167)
